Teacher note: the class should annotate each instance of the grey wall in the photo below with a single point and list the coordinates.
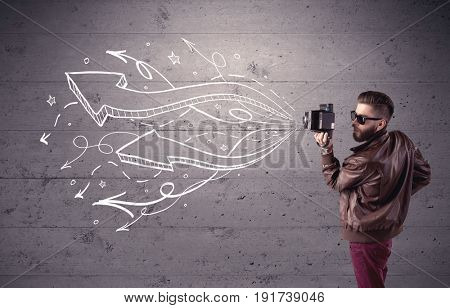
(266, 226)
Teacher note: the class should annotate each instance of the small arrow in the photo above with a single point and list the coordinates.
(44, 137)
(124, 227)
(190, 44)
(140, 65)
(113, 202)
(211, 61)
(120, 54)
(66, 165)
(79, 195)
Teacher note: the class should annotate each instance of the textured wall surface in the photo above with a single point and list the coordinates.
(271, 225)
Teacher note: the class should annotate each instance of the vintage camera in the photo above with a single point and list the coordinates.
(321, 120)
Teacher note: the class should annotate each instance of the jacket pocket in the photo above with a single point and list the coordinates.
(369, 193)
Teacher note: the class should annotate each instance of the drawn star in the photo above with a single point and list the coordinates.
(102, 184)
(51, 100)
(175, 59)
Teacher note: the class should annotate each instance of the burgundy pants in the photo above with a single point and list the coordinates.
(370, 263)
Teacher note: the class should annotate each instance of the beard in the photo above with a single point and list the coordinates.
(361, 136)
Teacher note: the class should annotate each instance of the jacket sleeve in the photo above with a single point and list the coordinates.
(352, 173)
(421, 172)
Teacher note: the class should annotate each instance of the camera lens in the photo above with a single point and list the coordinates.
(306, 120)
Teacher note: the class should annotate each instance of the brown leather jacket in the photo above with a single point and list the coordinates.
(375, 185)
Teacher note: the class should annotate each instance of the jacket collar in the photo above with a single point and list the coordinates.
(375, 139)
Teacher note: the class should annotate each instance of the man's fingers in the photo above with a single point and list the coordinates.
(325, 138)
(319, 137)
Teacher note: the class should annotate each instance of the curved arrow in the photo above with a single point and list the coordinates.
(211, 161)
(213, 62)
(141, 66)
(184, 97)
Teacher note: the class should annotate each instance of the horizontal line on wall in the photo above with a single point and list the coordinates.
(50, 129)
(359, 81)
(209, 275)
(215, 227)
(410, 33)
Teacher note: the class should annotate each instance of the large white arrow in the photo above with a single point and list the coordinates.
(188, 154)
(180, 97)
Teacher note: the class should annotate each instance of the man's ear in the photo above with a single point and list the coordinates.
(382, 124)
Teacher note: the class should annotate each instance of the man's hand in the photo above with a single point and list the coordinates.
(323, 140)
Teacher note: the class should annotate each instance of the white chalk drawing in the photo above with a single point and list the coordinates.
(102, 184)
(70, 104)
(95, 169)
(44, 138)
(56, 120)
(51, 100)
(237, 101)
(214, 57)
(79, 194)
(175, 59)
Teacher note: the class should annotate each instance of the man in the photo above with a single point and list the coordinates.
(375, 185)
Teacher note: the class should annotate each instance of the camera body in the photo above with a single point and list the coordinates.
(321, 120)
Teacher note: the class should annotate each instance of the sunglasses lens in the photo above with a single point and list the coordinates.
(359, 119)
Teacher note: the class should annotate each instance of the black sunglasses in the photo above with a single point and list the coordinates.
(360, 118)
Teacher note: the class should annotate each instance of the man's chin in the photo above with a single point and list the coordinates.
(357, 137)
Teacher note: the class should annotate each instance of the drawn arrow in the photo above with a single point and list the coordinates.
(124, 227)
(66, 165)
(180, 98)
(211, 61)
(190, 44)
(192, 49)
(79, 195)
(189, 153)
(120, 54)
(44, 138)
(144, 68)
(114, 202)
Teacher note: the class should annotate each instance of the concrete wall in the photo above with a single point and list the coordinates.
(273, 225)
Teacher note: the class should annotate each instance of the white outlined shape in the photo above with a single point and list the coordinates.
(220, 162)
(107, 111)
(174, 59)
(102, 184)
(51, 100)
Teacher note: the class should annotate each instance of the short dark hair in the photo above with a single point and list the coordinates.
(382, 103)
